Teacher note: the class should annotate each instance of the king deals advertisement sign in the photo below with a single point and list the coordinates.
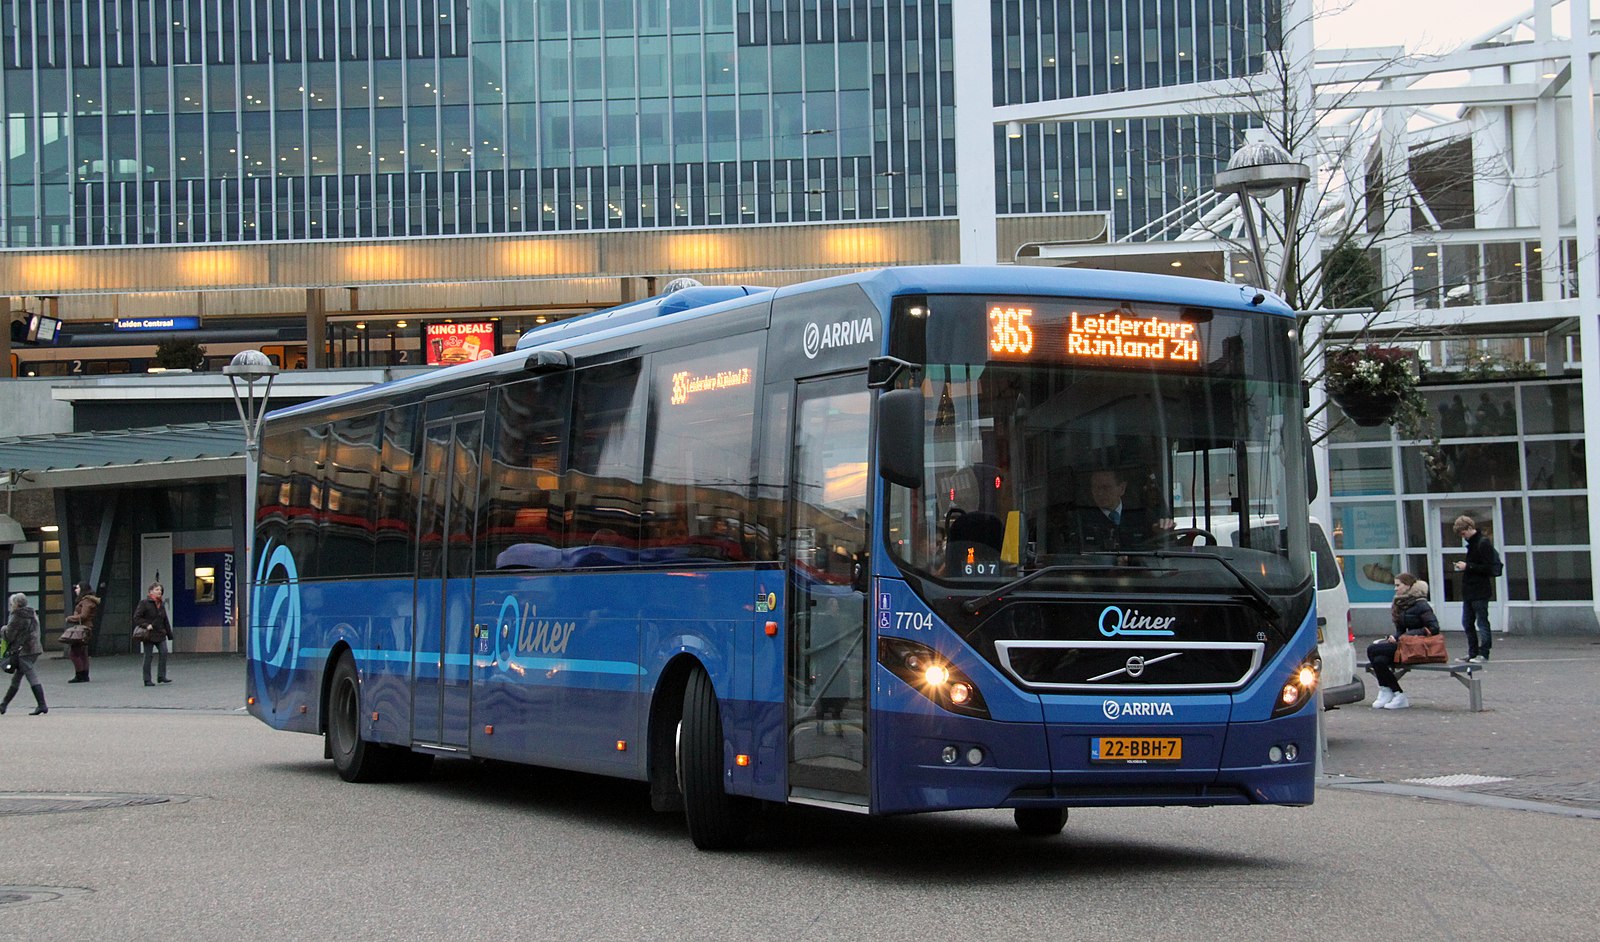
(462, 342)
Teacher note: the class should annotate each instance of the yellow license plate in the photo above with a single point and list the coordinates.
(1135, 749)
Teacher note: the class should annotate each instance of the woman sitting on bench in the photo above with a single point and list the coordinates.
(1412, 615)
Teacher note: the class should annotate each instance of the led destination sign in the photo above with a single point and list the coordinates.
(1020, 331)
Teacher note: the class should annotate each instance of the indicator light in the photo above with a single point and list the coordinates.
(741, 761)
(488, 730)
(622, 745)
(936, 676)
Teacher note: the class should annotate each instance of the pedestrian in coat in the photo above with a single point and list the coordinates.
(85, 615)
(1478, 571)
(1412, 615)
(23, 648)
(151, 613)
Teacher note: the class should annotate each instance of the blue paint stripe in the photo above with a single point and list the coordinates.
(584, 665)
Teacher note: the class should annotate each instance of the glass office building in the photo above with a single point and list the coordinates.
(153, 122)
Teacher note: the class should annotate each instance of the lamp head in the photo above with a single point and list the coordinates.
(250, 365)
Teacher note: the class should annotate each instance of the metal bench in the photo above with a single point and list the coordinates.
(1467, 673)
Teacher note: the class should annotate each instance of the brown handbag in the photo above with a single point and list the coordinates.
(1420, 649)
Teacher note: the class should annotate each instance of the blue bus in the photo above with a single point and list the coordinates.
(890, 542)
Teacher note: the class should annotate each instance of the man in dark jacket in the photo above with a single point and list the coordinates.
(1478, 572)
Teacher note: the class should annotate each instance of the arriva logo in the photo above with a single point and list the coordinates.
(839, 334)
(1114, 710)
(275, 617)
(1114, 621)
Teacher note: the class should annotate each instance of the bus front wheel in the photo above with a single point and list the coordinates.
(1040, 822)
(716, 819)
(357, 759)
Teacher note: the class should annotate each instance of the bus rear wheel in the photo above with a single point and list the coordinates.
(357, 759)
(1040, 822)
(716, 819)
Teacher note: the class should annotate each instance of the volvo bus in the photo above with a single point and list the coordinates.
(840, 544)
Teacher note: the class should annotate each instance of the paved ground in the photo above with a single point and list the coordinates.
(1535, 737)
(1536, 733)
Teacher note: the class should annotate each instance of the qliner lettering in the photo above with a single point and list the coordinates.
(1132, 338)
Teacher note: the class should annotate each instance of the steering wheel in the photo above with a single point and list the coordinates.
(1186, 536)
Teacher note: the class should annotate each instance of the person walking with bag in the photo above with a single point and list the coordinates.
(1411, 614)
(151, 628)
(23, 647)
(1478, 572)
(80, 631)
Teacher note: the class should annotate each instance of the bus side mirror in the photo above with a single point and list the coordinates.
(1312, 484)
(900, 425)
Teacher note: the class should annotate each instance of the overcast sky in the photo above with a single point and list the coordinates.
(1420, 25)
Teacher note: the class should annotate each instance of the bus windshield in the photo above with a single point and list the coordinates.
(1087, 437)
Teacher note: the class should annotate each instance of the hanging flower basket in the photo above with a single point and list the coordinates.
(1368, 408)
(1370, 382)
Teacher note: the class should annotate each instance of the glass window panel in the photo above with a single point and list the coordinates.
(524, 509)
(522, 135)
(522, 78)
(389, 138)
(1556, 464)
(555, 128)
(153, 91)
(1558, 520)
(588, 132)
(1369, 577)
(553, 78)
(606, 464)
(1416, 524)
(1454, 468)
(621, 77)
(1562, 577)
(1511, 515)
(1366, 526)
(1491, 411)
(1517, 576)
(654, 131)
(488, 82)
(622, 132)
(587, 74)
(699, 469)
(1552, 408)
(388, 84)
(357, 133)
(1358, 471)
(652, 65)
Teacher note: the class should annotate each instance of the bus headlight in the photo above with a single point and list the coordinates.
(1300, 687)
(930, 674)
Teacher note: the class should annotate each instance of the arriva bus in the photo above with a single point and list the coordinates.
(850, 544)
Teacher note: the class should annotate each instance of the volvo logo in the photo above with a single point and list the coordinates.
(1135, 666)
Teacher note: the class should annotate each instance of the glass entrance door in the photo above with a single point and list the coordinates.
(828, 566)
(446, 529)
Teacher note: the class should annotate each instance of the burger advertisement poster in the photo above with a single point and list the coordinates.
(462, 342)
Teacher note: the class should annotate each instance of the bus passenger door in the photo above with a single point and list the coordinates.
(446, 531)
(828, 655)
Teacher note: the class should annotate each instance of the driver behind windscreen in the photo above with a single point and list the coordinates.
(1110, 523)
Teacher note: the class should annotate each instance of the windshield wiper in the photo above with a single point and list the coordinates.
(972, 605)
(1257, 594)
(1263, 602)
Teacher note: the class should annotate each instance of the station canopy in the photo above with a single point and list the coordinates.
(170, 453)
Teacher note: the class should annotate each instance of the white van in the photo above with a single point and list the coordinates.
(1335, 634)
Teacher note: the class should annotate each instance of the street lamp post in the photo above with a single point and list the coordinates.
(1256, 172)
(249, 367)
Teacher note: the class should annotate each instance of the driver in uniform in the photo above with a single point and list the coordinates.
(1109, 524)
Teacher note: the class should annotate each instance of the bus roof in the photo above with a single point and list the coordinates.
(881, 285)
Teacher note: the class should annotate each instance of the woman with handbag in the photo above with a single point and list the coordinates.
(1412, 615)
(80, 631)
(151, 628)
(22, 643)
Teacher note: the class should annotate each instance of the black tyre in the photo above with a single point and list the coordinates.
(1040, 822)
(717, 821)
(356, 759)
